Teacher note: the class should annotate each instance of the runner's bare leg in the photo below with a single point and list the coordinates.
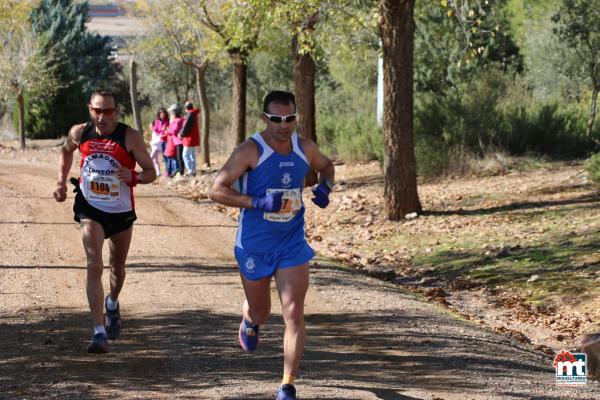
(257, 305)
(292, 285)
(93, 238)
(119, 247)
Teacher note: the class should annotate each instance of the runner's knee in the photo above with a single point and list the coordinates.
(94, 266)
(118, 270)
(293, 313)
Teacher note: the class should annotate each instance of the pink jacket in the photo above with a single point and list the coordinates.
(159, 129)
(174, 127)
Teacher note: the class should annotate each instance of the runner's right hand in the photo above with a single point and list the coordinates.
(60, 194)
(268, 203)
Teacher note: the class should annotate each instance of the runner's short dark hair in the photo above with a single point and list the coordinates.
(279, 97)
(104, 93)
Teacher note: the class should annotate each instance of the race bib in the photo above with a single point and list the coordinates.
(291, 205)
(103, 187)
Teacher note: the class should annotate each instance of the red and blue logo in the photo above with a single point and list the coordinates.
(571, 368)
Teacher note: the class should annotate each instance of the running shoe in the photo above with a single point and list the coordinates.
(286, 392)
(112, 323)
(99, 344)
(248, 336)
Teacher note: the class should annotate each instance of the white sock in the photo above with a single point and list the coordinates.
(111, 305)
(99, 329)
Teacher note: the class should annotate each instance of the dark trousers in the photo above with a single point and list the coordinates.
(180, 164)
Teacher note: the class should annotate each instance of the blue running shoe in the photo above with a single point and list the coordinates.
(248, 336)
(112, 323)
(286, 392)
(99, 344)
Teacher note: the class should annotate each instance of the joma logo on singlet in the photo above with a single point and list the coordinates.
(105, 147)
(286, 164)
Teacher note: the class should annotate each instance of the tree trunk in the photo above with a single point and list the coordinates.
(239, 97)
(400, 169)
(21, 105)
(592, 116)
(204, 113)
(304, 84)
(134, 96)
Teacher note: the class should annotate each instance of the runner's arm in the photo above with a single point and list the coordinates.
(317, 161)
(65, 160)
(134, 141)
(241, 160)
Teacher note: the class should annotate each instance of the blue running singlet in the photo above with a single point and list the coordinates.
(260, 232)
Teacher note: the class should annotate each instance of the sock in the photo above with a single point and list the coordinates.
(111, 305)
(288, 379)
(99, 329)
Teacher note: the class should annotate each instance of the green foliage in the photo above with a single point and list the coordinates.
(270, 68)
(593, 167)
(450, 49)
(578, 27)
(346, 101)
(351, 137)
(81, 61)
(165, 79)
(545, 128)
(483, 114)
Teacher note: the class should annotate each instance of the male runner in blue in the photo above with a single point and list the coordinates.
(268, 172)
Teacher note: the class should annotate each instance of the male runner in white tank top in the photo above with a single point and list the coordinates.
(104, 204)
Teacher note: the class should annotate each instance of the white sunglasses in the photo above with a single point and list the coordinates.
(279, 118)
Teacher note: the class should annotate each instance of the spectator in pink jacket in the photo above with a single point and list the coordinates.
(175, 125)
(174, 129)
(159, 138)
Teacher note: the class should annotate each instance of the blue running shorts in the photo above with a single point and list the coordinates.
(257, 266)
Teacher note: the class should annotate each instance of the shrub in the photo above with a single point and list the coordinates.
(593, 167)
(351, 137)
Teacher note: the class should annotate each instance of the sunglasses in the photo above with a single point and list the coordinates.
(103, 111)
(280, 118)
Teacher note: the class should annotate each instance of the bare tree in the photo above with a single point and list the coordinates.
(22, 67)
(237, 27)
(137, 117)
(187, 36)
(304, 79)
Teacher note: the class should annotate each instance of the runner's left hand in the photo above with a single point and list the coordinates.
(321, 193)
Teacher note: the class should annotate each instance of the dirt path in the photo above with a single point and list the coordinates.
(181, 306)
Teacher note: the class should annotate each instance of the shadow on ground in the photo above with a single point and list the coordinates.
(194, 351)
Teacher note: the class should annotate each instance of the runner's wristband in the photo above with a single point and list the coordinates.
(135, 178)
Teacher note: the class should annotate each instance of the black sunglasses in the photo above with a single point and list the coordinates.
(279, 118)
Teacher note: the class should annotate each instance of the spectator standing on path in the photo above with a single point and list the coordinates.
(175, 125)
(269, 172)
(159, 138)
(190, 135)
(104, 205)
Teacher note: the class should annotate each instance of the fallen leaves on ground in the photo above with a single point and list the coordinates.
(488, 217)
